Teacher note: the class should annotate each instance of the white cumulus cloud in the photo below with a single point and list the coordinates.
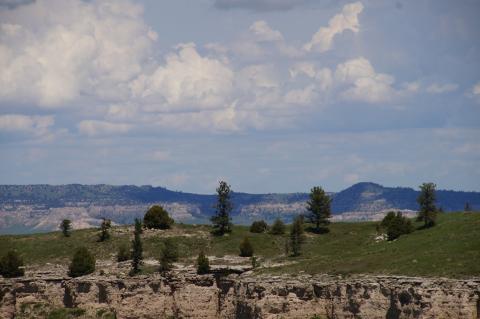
(65, 49)
(346, 20)
(187, 80)
(263, 32)
(364, 83)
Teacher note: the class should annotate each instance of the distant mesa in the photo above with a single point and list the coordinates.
(35, 208)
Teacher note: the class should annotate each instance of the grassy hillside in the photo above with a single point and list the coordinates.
(452, 248)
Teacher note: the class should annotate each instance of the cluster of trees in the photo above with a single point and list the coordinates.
(319, 212)
(395, 224)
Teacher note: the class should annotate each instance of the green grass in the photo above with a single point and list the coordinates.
(450, 249)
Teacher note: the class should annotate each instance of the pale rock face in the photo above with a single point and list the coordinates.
(189, 295)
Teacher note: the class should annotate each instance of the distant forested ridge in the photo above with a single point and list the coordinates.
(38, 207)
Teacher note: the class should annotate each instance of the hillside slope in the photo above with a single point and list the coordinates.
(451, 249)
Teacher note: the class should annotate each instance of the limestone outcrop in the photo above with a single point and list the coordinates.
(187, 295)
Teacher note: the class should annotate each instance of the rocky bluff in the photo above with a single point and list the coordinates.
(187, 295)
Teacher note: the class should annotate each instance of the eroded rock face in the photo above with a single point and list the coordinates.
(189, 295)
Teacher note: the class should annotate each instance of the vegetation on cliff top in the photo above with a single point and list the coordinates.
(451, 248)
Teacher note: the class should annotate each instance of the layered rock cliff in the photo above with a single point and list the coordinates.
(189, 295)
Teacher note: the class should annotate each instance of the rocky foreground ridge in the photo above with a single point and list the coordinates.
(188, 295)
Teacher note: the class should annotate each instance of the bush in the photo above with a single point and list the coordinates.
(396, 225)
(83, 263)
(246, 249)
(123, 253)
(258, 226)
(278, 227)
(158, 218)
(203, 265)
(168, 254)
(10, 265)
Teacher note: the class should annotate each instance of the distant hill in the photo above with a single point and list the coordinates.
(27, 208)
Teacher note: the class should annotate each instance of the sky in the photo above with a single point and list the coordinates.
(269, 95)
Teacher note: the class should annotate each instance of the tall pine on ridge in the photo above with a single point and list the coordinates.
(222, 222)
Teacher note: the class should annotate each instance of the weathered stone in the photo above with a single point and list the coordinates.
(188, 295)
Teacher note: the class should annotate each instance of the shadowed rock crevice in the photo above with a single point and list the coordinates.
(187, 295)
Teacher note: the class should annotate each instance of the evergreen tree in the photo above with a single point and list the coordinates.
(246, 249)
(258, 226)
(278, 227)
(137, 249)
(319, 208)
(83, 263)
(158, 218)
(66, 226)
(11, 265)
(426, 200)
(297, 236)
(168, 254)
(104, 227)
(203, 264)
(221, 220)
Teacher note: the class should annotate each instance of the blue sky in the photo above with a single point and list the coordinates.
(273, 96)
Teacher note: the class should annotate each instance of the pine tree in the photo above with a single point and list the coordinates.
(137, 250)
(221, 220)
(426, 200)
(104, 227)
(319, 208)
(66, 226)
(297, 236)
(278, 227)
(203, 264)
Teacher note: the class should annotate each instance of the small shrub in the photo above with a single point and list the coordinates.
(83, 263)
(11, 265)
(66, 313)
(123, 253)
(137, 247)
(168, 254)
(255, 262)
(246, 249)
(396, 225)
(157, 217)
(259, 226)
(203, 265)
(278, 227)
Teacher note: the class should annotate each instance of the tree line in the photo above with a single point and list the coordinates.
(318, 209)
